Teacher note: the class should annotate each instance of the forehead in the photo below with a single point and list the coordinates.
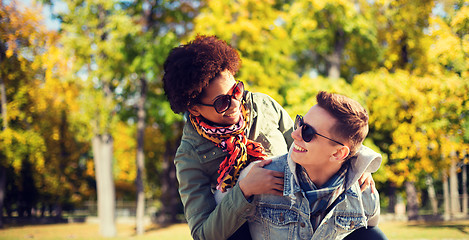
(219, 86)
(320, 119)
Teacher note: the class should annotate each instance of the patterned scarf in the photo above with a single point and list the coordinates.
(320, 199)
(231, 139)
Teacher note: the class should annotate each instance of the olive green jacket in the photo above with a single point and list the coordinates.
(197, 161)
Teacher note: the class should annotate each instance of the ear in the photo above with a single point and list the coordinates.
(341, 153)
(194, 110)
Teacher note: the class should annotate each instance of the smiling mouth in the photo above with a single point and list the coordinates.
(298, 148)
(231, 114)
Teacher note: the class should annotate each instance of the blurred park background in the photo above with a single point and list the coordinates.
(88, 135)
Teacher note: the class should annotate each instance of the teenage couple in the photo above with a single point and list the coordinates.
(316, 187)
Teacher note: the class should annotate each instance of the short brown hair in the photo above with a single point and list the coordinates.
(189, 69)
(352, 118)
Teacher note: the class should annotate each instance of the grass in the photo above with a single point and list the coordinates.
(393, 230)
(426, 230)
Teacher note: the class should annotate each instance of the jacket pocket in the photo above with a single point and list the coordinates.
(349, 223)
(275, 223)
(208, 152)
(278, 216)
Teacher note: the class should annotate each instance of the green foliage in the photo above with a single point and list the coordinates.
(256, 29)
(406, 61)
(318, 26)
(415, 120)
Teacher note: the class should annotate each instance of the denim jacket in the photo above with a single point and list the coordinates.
(288, 216)
(197, 160)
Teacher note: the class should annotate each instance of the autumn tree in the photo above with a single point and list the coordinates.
(21, 146)
(162, 25)
(92, 32)
(39, 149)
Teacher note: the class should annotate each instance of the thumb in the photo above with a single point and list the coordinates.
(264, 163)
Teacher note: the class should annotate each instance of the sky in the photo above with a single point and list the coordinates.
(52, 24)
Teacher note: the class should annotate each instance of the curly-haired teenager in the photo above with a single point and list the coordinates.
(226, 129)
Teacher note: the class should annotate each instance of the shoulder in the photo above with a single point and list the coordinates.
(191, 139)
(194, 147)
(278, 163)
(263, 101)
(370, 201)
(367, 200)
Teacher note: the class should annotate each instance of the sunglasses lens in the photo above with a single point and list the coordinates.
(222, 104)
(238, 91)
(307, 132)
(297, 122)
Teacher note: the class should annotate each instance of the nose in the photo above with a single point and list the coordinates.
(296, 134)
(235, 103)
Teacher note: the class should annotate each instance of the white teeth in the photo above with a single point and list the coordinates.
(299, 148)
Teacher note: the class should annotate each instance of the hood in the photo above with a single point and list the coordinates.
(366, 160)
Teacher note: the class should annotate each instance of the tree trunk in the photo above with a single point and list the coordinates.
(169, 189)
(141, 157)
(412, 201)
(447, 214)
(3, 180)
(102, 149)
(392, 198)
(432, 195)
(3, 109)
(454, 193)
(335, 58)
(464, 187)
(3, 101)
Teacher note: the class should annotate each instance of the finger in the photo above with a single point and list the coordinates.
(278, 184)
(263, 163)
(276, 174)
(278, 188)
(361, 179)
(364, 185)
(276, 192)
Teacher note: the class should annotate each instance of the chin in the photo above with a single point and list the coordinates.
(293, 157)
(233, 119)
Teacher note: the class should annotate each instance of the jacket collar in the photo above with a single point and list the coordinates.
(253, 110)
(291, 184)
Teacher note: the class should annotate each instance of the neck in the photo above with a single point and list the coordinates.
(320, 175)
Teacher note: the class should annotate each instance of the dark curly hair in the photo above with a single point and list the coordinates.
(189, 69)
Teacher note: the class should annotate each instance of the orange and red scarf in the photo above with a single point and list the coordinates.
(232, 139)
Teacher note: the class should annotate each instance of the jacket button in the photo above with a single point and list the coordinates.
(205, 156)
(213, 153)
(302, 224)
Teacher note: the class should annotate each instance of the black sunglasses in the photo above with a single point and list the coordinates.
(223, 102)
(308, 132)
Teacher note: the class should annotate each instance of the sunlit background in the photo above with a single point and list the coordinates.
(80, 82)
